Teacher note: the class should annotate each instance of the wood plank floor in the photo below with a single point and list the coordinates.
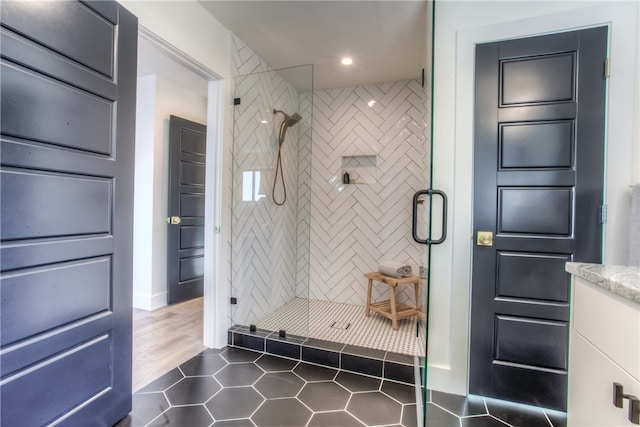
(165, 338)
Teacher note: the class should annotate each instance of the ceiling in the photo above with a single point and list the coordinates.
(386, 39)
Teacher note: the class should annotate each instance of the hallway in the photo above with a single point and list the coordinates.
(165, 338)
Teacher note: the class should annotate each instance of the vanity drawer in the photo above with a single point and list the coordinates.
(610, 322)
(591, 378)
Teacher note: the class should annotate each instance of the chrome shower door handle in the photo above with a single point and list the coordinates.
(417, 199)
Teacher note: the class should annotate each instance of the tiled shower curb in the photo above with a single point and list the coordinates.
(385, 365)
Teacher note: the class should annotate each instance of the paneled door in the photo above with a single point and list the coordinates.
(185, 242)
(68, 83)
(538, 188)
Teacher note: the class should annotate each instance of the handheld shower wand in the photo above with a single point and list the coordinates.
(287, 122)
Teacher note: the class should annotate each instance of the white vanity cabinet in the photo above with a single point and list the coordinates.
(604, 349)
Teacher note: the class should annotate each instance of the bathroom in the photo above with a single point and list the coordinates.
(350, 197)
(448, 368)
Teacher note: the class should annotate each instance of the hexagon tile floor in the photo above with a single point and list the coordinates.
(237, 387)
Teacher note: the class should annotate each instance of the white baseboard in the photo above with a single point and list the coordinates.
(149, 302)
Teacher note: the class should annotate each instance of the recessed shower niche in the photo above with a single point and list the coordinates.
(361, 169)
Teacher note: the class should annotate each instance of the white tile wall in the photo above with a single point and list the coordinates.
(263, 246)
(355, 226)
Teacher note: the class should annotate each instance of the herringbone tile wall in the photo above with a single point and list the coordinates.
(355, 226)
(264, 235)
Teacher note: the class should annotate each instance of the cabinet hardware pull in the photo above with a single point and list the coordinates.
(634, 402)
(634, 409)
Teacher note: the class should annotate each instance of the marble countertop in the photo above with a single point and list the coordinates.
(621, 280)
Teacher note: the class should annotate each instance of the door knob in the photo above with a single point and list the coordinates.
(485, 238)
(174, 220)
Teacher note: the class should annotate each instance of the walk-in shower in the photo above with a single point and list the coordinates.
(299, 266)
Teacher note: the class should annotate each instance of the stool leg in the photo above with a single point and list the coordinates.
(416, 288)
(368, 308)
(394, 314)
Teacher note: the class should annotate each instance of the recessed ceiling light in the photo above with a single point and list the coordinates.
(371, 103)
(346, 61)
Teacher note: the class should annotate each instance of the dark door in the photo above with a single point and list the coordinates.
(68, 84)
(538, 185)
(185, 245)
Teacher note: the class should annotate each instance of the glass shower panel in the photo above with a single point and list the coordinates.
(270, 198)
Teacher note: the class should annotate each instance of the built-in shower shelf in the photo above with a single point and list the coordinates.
(361, 168)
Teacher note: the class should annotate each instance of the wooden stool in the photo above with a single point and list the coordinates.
(389, 308)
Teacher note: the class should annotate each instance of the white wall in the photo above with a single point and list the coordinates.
(158, 98)
(459, 26)
(143, 200)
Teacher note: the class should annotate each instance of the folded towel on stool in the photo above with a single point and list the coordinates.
(394, 269)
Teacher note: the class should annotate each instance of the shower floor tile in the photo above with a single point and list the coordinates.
(328, 321)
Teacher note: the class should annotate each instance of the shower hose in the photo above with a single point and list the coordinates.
(279, 168)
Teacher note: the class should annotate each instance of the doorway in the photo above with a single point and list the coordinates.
(168, 84)
(538, 177)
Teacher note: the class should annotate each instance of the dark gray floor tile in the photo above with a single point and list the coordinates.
(164, 382)
(517, 415)
(237, 402)
(399, 372)
(409, 416)
(438, 417)
(483, 421)
(247, 341)
(192, 416)
(354, 382)
(272, 363)
(192, 390)
(204, 365)
(213, 351)
(326, 345)
(460, 405)
(364, 352)
(375, 408)
(319, 356)
(557, 418)
(146, 407)
(283, 348)
(279, 384)
(402, 393)
(334, 419)
(324, 396)
(315, 373)
(282, 413)
(399, 358)
(234, 423)
(239, 374)
(361, 365)
(239, 355)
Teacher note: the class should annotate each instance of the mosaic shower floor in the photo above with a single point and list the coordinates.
(346, 324)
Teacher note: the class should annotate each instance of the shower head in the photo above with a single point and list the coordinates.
(295, 118)
(289, 120)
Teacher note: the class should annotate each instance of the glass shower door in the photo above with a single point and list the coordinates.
(270, 233)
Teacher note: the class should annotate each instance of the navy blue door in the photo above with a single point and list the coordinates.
(538, 180)
(67, 132)
(185, 241)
